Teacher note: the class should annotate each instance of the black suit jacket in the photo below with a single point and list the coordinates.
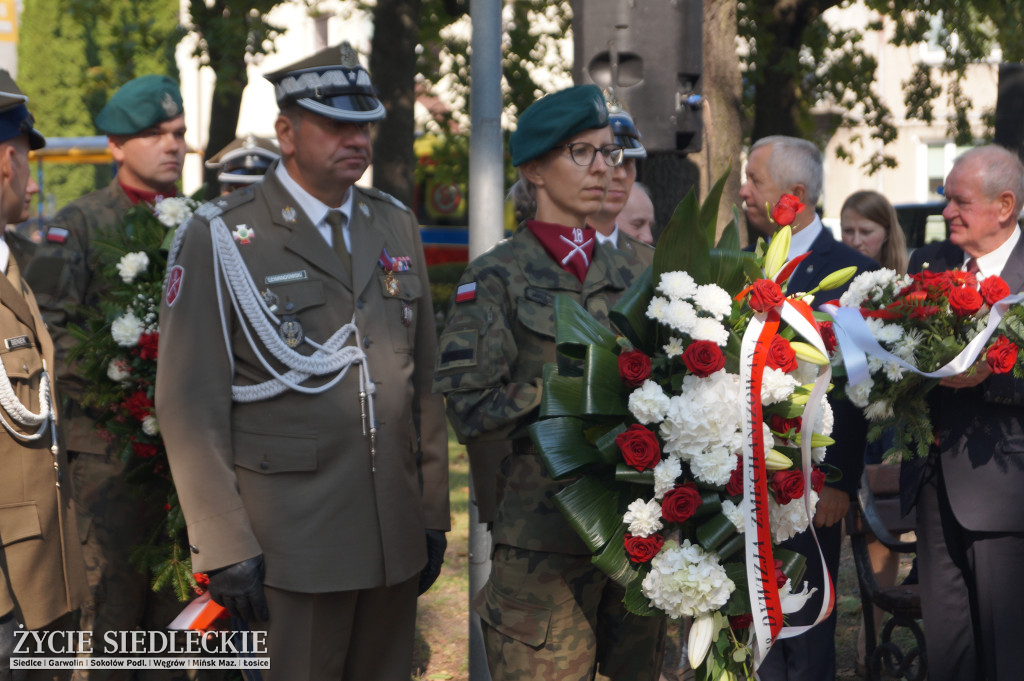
(979, 431)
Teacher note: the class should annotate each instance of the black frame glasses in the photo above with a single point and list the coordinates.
(584, 153)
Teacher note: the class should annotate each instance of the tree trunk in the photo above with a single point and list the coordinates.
(723, 130)
(393, 70)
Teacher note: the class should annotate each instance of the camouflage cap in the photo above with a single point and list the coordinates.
(139, 104)
(554, 118)
(244, 160)
(15, 118)
(624, 129)
(331, 83)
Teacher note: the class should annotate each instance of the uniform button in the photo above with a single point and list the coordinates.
(264, 465)
(289, 306)
(367, 342)
(193, 548)
(359, 303)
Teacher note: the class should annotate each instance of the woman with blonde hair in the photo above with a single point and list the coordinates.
(870, 225)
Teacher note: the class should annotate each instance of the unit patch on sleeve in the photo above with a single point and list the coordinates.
(466, 293)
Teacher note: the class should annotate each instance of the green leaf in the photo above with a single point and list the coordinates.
(604, 393)
(683, 245)
(607, 446)
(562, 394)
(576, 329)
(715, 531)
(739, 601)
(613, 561)
(630, 314)
(709, 209)
(635, 601)
(793, 564)
(626, 473)
(563, 446)
(728, 268)
(591, 507)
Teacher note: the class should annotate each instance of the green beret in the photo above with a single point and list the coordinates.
(554, 118)
(139, 104)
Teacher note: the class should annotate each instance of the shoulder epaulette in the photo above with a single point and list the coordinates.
(375, 193)
(215, 207)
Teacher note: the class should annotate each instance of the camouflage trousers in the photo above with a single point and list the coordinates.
(113, 520)
(555, 616)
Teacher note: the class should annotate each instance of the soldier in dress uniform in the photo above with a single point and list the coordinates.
(145, 127)
(293, 393)
(605, 220)
(243, 161)
(42, 576)
(546, 611)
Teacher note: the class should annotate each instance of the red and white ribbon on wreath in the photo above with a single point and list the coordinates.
(766, 605)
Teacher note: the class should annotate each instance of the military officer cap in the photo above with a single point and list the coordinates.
(555, 118)
(244, 160)
(139, 104)
(331, 83)
(15, 118)
(624, 129)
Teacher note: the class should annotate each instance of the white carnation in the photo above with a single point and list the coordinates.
(665, 475)
(826, 418)
(887, 334)
(707, 329)
(736, 513)
(713, 299)
(705, 421)
(686, 581)
(657, 309)
(714, 467)
(805, 372)
(643, 517)
(677, 285)
(132, 265)
(776, 386)
(150, 426)
(648, 403)
(789, 520)
(173, 211)
(674, 347)
(118, 370)
(126, 329)
(859, 393)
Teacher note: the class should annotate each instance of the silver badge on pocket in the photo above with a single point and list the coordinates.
(291, 331)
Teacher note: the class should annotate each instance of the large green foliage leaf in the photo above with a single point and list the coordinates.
(576, 329)
(591, 507)
(562, 445)
(683, 245)
(604, 393)
(630, 314)
(562, 394)
(613, 561)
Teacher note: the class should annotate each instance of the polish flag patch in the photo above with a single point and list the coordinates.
(56, 235)
(465, 293)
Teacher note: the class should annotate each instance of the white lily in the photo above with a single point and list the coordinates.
(699, 641)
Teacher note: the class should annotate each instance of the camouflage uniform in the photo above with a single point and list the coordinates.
(546, 611)
(113, 518)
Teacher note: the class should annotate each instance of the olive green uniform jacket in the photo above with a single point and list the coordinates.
(61, 274)
(42, 574)
(490, 367)
(292, 476)
(643, 252)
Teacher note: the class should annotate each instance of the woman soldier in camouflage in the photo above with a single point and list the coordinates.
(547, 612)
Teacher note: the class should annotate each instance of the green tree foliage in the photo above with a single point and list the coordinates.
(229, 33)
(73, 54)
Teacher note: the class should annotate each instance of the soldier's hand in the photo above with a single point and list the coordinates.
(239, 588)
(7, 629)
(436, 544)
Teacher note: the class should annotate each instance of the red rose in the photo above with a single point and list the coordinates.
(735, 484)
(147, 346)
(828, 336)
(965, 301)
(703, 358)
(639, 447)
(144, 450)
(634, 368)
(680, 503)
(780, 424)
(817, 479)
(765, 294)
(1001, 355)
(961, 278)
(138, 405)
(786, 210)
(781, 355)
(788, 485)
(739, 622)
(994, 289)
(642, 549)
(924, 312)
(780, 576)
(937, 284)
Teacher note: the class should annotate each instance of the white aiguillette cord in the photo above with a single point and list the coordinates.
(334, 356)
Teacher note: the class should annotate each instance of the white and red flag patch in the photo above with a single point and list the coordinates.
(466, 292)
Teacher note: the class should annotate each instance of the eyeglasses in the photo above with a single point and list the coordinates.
(584, 153)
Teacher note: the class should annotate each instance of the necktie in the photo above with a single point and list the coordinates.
(972, 266)
(335, 218)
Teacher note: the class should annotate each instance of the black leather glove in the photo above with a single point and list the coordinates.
(239, 588)
(7, 628)
(436, 544)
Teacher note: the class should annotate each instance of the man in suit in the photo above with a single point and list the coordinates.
(780, 165)
(145, 126)
(637, 217)
(42, 575)
(970, 522)
(605, 220)
(294, 393)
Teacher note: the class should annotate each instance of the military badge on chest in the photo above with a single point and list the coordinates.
(291, 331)
(390, 265)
